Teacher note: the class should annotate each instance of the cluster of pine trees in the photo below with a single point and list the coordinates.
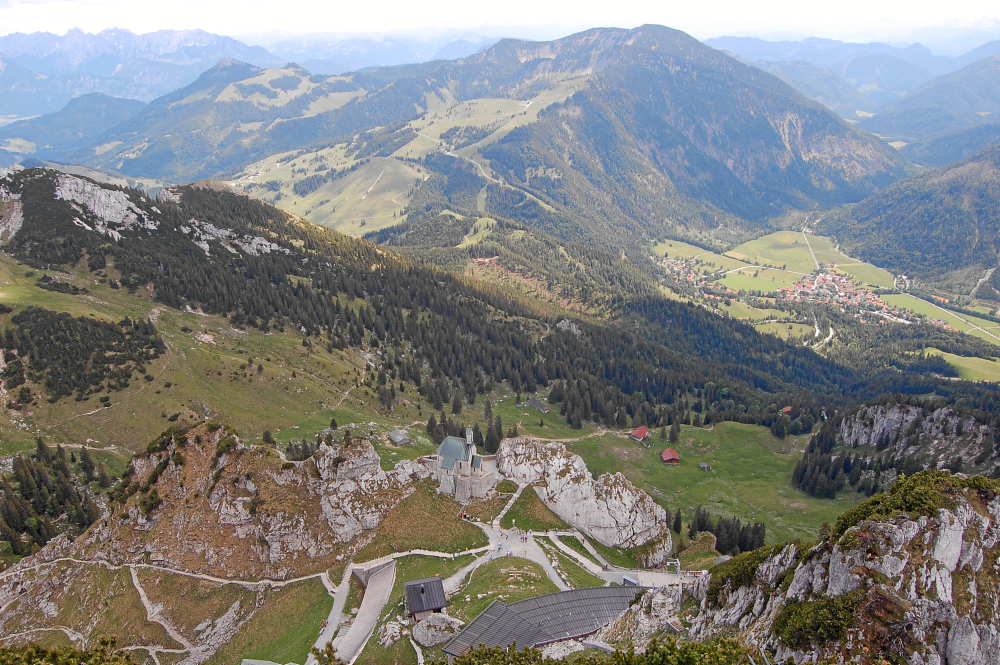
(822, 472)
(68, 354)
(440, 426)
(732, 535)
(43, 496)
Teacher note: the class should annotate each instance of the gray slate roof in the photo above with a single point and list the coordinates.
(426, 594)
(399, 436)
(550, 618)
(451, 450)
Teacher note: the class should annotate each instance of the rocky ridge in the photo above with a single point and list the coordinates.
(942, 434)
(235, 511)
(913, 572)
(608, 508)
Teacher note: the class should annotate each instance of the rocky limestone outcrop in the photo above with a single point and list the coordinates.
(939, 435)
(11, 213)
(655, 613)
(609, 509)
(391, 633)
(239, 511)
(924, 586)
(436, 629)
(105, 210)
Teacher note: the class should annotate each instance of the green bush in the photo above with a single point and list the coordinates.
(801, 625)
(740, 570)
(664, 651)
(921, 494)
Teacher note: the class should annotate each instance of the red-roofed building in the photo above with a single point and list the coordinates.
(640, 434)
(670, 456)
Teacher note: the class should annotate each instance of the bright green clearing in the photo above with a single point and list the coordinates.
(750, 476)
(973, 369)
(971, 325)
(765, 280)
(283, 630)
(530, 514)
(508, 579)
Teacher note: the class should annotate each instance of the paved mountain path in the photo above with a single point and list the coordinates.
(349, 647)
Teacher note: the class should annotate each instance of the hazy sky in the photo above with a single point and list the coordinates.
(843, 19)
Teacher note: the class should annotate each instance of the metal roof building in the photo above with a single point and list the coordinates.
(426, 595)
(399, 437)
(550, 618)
(451, 450)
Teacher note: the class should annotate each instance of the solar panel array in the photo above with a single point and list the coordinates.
(549, 618)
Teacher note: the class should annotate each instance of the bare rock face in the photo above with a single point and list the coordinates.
(105, 210)
(655, 613)
(391, 633)
(925, 586)
(943, 435)
(11, 213)
(236, 511)
(609, 508)
(436, 629)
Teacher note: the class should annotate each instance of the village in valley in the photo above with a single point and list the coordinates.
(720, 279)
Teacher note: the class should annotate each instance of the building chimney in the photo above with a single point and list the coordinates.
(468, 435)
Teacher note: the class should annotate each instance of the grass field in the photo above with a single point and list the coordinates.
(205, 372)
(750, 476)
(408, 568)
(787, 330)
(530, 514)
(765, 280)
(283, 630)
(573, 573)
(866, 273)
(507, 579)
(425, 520)
(986, 330)
(973, 369)
(700, 553)
(741, 310)
(712, 261)
(552, 426)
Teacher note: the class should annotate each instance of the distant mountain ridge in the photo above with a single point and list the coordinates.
(712, 142)
(957, 101)
(930, 225)
(53, 69)
(855, 79)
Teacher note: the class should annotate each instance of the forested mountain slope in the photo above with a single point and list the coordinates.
(929, 225)
(79, 122)
(225, 254)
(949, 103)
(561, 123)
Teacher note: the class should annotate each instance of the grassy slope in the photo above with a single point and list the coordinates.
(507, 579)
(750, 477)
(973, 369)
(529, 513)
(283, 630)
(425, 520)
(202, 368)
(960, 322)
